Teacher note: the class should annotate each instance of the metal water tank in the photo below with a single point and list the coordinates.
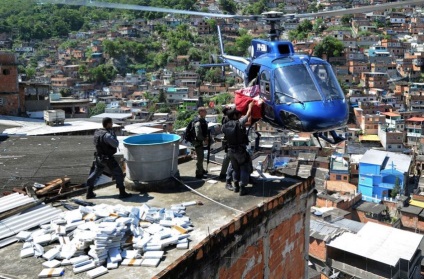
(151, 157)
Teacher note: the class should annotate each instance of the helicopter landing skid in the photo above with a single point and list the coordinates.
(336, 138)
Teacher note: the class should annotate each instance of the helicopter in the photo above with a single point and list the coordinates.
(299, 92)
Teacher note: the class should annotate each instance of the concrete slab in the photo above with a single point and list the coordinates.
(206, 218)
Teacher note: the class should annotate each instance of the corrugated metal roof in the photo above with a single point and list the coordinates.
(14, 200)
(350, 225)
(379, 243)
(39, 215)
(323, 230)
(412, 209)
(371, 207)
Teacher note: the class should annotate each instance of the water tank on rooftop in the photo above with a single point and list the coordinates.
(151, 159)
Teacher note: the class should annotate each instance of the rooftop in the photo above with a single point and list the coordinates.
(373, 157)
(114, 115)
(370, 207)
(324, 231)
(412, 209)
(72, 155)
(389, 247)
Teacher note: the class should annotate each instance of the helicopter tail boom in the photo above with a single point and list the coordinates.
(221, 45)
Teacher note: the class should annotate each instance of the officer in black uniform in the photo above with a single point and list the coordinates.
(237, 140)
(106, 145)
(226, 161)
(201, 140)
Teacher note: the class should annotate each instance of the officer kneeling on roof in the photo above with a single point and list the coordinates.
(237, 141)
(106, 145)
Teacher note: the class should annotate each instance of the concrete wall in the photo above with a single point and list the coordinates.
(268, 241)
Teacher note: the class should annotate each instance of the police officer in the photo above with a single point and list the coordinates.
(226, 161)
(201, 140)
(236, 135)
(106, 145)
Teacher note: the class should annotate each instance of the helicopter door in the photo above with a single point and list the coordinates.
(265, 85)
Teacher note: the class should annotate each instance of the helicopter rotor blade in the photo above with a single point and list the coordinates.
(359, 10)
(97, 4)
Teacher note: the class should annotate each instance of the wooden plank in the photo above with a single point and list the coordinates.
(54, 184)
(18, 190)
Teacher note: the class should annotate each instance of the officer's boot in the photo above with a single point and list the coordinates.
(123, 194)
(243, 190)
(236, 187)
(90, 193)
(229, 185)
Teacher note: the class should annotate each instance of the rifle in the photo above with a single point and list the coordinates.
(209, 149)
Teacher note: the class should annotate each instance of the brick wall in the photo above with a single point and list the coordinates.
(318, 249)
(268, 241)
(8, 73)
(345, 205)
(361, 217)
(9, 103)
(412, 222)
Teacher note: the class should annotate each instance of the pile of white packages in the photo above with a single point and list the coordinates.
(94, 239)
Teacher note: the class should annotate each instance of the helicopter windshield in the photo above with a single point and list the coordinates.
(294, 84)
(327, 81)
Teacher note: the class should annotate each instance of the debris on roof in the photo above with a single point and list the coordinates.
(101, 237)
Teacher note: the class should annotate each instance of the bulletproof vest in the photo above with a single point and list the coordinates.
(234, 133)
(204, 127)
(102, 147)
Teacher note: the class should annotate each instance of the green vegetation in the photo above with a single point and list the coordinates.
(183, 118)
(256, 8)
(346, 19)
(229, 6)
(98, 109)
(329, 46)
(396, 189)
(302, 31)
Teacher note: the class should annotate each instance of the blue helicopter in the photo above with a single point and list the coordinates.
(299, 92)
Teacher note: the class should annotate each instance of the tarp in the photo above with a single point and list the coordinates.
(416, 203)
(244, 96)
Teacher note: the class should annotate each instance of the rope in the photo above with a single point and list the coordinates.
(206, 197)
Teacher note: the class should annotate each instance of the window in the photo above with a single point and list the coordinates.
(1, 101)
(344, 177)
(338, 177)
(6, 72)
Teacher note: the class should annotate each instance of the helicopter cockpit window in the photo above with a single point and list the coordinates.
(327, 81)
(265, 85)
(294, 84)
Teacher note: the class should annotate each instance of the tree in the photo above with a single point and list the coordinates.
(162, 96)
(30, 72)
(396, 189)
(98, 109)
(329, 46)
(346, 18)
(319, 25)
(214, 75)
(228, 6)
(256, 8)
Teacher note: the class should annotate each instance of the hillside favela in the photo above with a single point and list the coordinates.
(231, 139)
